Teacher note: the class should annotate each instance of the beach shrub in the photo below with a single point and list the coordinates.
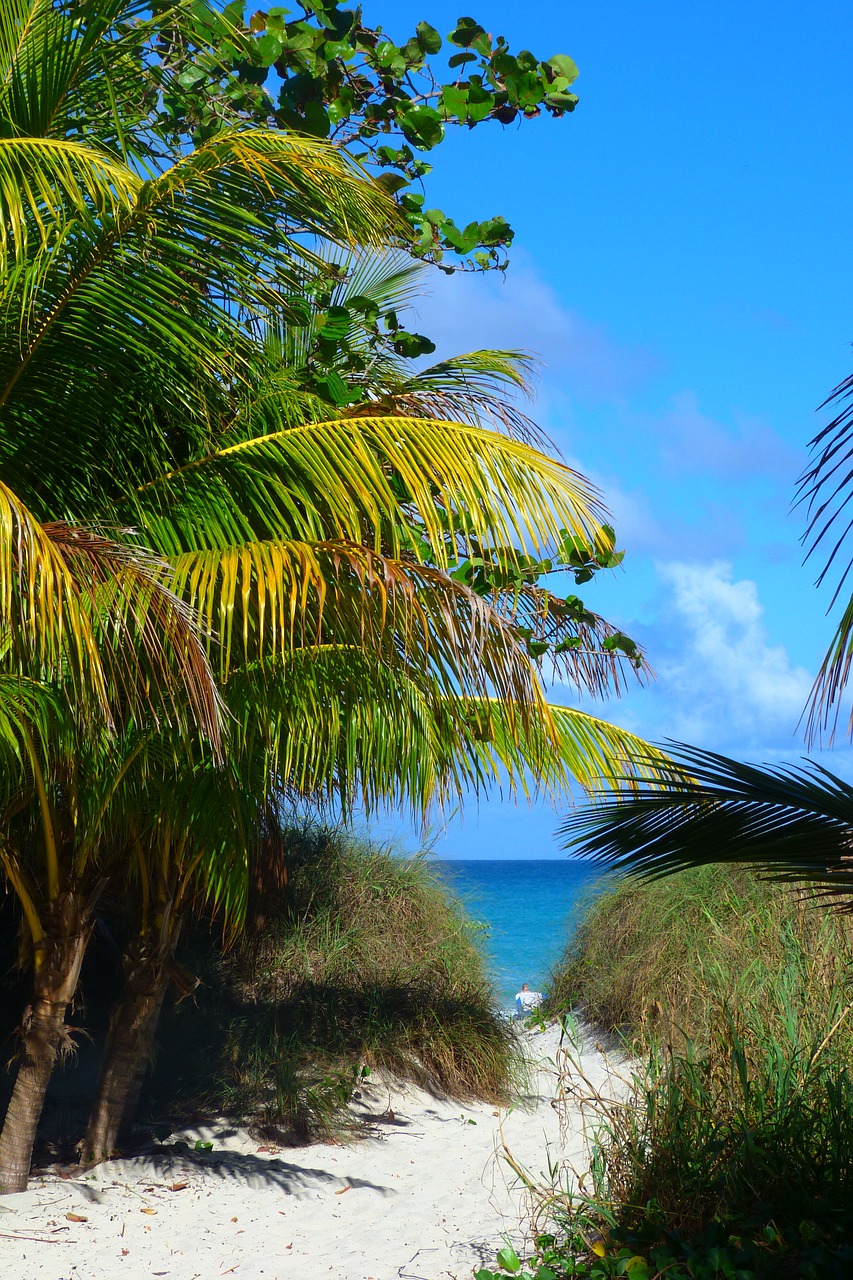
(735, 1140)
(654, 961)
(368, 964)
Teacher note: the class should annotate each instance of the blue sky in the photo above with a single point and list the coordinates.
(683, 267)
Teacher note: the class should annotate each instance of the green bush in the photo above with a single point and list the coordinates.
(655, 961)
(367, 963)
(736, 1141)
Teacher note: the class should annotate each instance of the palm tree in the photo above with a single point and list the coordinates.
(190, 833)
(136, 393)
(77, 348)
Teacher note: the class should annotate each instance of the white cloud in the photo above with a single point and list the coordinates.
(721, 682)
(726, 682)
(690, 440)
(522, 311)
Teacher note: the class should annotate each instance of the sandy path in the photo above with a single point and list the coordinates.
(428, 1198)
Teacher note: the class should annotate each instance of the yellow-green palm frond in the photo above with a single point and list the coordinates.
(47, 182)
(479, 387)
(365, 479)
(164, 299)
(548, 754)
(263, 600)
(28, 709)
(583, 649)
(318, 188)
(42, 616)
(75, 605)
(601, 756)
(47, 53)
(337, 724)
(147, 639)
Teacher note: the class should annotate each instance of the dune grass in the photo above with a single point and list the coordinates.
(657, 961)
(733, 1151)
(367, 964)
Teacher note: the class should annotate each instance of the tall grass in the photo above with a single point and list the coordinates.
(658, 960)
(734, 998)
(368, 964)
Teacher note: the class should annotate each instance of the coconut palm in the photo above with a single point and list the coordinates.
(136, 391)
(339, 723)
(77, 348)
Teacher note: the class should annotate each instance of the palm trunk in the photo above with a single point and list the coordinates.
(130, 1041)
(60, 957)
(126, 1055)
(131, 1106)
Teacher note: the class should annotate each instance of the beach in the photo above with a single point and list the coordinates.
(429, 1195)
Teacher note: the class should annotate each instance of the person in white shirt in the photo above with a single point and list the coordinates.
(526, 1000)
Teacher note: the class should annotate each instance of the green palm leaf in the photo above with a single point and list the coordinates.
(78, 607)
(349, 478)
(794, 823)
(46, 182)
(212, 245)
(270, 598)
(49, 57)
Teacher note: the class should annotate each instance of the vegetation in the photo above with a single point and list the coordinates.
(364, 962)
(249, 551)
(319, 70)
(792, 822)
(732, 1153)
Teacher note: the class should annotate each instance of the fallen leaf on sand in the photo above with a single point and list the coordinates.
(76, 1217)
(179, 1186)
(342, 1190)
(147, 1210)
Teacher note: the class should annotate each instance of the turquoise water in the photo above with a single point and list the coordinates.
(528, 909)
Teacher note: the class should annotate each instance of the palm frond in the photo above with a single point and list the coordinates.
(582, 648)
(263, 600)
(602, 757)
(147, 639)
(48, 53)
(212, 246)
(27, 707)
(46, 182)
(792, 823)
(363, 479)
(76, 606)
(41, 612)
(479, 388)
(826, 490)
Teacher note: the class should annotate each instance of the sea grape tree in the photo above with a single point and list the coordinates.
(318, 68)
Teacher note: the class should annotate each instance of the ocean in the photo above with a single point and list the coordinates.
(528, 909)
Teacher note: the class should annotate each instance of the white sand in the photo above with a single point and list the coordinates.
(429, 1197)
